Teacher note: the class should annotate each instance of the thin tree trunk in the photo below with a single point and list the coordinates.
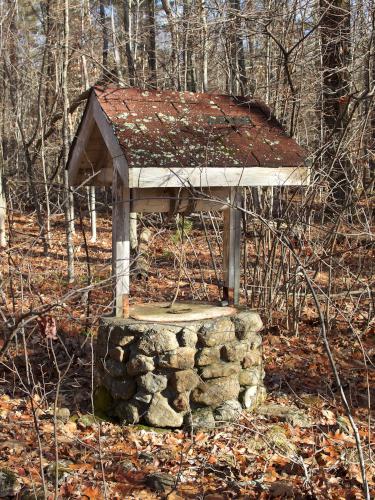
(116, 52)
(68, 194)
(3, 211)
(129, 41)
(151, 45)
(204, 45)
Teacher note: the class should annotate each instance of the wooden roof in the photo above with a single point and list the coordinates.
(184, 129)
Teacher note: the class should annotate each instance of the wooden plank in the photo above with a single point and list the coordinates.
(120, 241)
(232, 249)
(110, 140)
(149, 177)
(83, 139)
(165, 200)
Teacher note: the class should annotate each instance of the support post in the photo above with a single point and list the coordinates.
(120, 243)
(232, 250)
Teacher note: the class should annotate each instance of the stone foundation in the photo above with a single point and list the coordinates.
(192, 373)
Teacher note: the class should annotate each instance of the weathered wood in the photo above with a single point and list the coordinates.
(149, 177)
(232, 249)
(163, 200)
(82, 140)
(121, 240)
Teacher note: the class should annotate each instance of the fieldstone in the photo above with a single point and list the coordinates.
(188, 337)
(160, 414)
(152, 383)
(220, 370)
(10, 485)
(184, 380)
(180, 359)
(252, 376)
(116, 353)
(182, 402)
(157, 342)
(119, 336)
(160, 481)
(253, 396)
(290, 414)
(215, 391)
(235, 351)
(63, 414)
(255, 342)
(140, 364)
(218, 332)
(142, 396)
(252, 358)
(127, 412)
(208, 356)
(201, 418)
(115, 368)
(123, 389)
(246, 323)
(228, 411)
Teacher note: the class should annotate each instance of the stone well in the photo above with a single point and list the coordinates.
(156, 369)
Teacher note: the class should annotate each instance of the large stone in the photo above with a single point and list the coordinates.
(188, 337)
(252, 376)
(180, 359)
(201, 418)
(142, 397)
(213, 333)
(119, 336)
(290, 414)
(252, 358)
(253, 396)
(181, 402)
(140, 364)
(123, 389)
(215, 391)
(160, 414)
(127, 412)
(208, 356)
(220, 370)
(116, 353)
(158, 341)
(235, 351)
(115, 368)
(184, 380)
(228, 411)
(152, 383)
(246, 324)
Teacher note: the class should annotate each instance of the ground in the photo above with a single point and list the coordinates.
(308, 453)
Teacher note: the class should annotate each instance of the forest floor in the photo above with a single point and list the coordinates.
(310, 453)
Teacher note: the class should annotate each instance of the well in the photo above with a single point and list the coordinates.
(165, 372)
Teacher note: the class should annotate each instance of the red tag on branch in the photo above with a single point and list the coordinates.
(47, 326)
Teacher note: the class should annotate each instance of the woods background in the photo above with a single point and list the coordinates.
(308, 252)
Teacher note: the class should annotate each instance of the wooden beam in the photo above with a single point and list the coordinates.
(180, 200)
(82, 140)
(149, 177)
(120, 241)
(232, 249)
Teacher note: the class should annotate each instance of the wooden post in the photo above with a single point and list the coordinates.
(231, 250)
(120, 242)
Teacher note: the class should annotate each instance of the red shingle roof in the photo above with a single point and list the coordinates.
(174, 129)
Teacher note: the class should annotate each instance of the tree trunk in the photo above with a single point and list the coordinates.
(335, 33)
(151, 45)
(129, 41)
(68, 193)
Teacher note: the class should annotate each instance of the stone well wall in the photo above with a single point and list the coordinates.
(174, 374)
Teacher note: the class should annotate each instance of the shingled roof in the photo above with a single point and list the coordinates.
(185, 129)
